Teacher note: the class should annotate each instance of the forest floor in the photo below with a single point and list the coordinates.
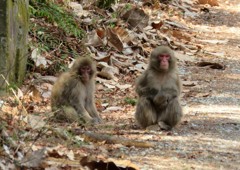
(208, 136)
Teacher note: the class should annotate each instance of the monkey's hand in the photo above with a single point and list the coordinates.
(161, 100)
(99, 120)
(171, 94)
(147, 92)
(95, 121)
(166, 94)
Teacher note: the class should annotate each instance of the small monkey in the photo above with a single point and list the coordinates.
(72, 95)
(158, 89)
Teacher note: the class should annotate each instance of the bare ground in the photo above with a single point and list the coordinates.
(209, 135)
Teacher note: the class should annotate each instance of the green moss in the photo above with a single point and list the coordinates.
(56, 15)
(130, 101)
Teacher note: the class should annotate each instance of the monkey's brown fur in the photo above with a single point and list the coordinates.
(72, 96)
(158, 91)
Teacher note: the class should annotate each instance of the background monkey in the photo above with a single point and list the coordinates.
(158, 89)
(72, 95)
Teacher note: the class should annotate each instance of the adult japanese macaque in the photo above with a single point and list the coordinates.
(72, 97)
(158, 89)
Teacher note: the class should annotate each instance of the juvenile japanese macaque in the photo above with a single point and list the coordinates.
(158, 89)
(72, 96)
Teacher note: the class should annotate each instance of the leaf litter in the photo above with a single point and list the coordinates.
(207, 137)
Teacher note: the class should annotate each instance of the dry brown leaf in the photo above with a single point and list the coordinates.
(34, 159)
(123, 163)
(56, 162)
(136, 18)
(102, 56)
(94, 39)
(189, 83)
(113, 164)
(157, 25)
(122, 33)
(218, 54)
(202, 95)
(44, 79)
(106, 72)
(211, 65)
(127, 50)
(210, 2)
(179, 35)
(184, 57)
(215, 41)
(101, 33)
(113, 40)
(113, 108)
(35, 122)
(123, 87)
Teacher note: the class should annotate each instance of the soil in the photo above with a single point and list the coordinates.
(209, 135)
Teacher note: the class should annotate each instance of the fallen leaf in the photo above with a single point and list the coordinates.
(218, 54)
(179, 35)
(124, 163)
(136, 18)
(123, 87)
(78, 9)
(102, 56)
(35, 122)
(210, 2)
(177, 25)
(100, 165)
(189, 83)
(106, 72)
(109, 86)
(113, 108)
(93, 39)
(202, 95)
(34, 159)
(184, 57)
(211, 65)
(1, 103)
(45, 79)
(215, 41)
(113, 40)
(123, 34)
(127, 50)
(101, 33)
(157, 25)
(38, 59)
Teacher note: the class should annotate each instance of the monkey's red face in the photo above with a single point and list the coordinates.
(164, 61)
(85, 73)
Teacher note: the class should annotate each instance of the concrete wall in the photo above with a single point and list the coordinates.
(14, 22)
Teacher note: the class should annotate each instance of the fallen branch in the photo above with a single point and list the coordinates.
(95, 137)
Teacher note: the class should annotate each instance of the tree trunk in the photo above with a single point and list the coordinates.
(14, 21)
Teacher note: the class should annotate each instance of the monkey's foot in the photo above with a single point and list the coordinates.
(164, 126)
(94, 121)
(154, 127)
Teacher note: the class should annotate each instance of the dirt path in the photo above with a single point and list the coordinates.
(209, 136)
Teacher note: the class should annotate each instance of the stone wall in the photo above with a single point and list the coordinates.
(14, 22)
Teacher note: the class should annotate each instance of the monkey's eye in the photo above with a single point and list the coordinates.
(164, 56)
(85, 69)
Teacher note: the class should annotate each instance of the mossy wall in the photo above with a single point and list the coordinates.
(14, 22)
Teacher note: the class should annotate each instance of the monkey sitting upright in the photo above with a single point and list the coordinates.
(72, 97)
(158, 89)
